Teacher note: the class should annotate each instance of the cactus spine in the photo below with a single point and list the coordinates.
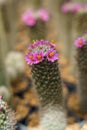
(49, 87)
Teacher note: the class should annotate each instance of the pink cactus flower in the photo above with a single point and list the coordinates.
(76, 7)
(44, 15)
(80, 42)
(30, 58)
(52, 44)
(70, 7)
(0, 107)
(0, 97)
(64, 8)
(52, 55)
(42, 49)
(37, 43)
(32, 46)
(39, 57)
(28, 18)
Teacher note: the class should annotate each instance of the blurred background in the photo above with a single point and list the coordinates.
(21, 22)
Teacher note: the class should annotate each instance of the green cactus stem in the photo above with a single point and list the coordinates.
(48, 83)
(80, 24)
(36, 3)
(38, 31)
(82, 77)
(79, 28)
(3, 51)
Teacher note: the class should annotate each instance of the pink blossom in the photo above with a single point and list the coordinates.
(85, 6)
(39, 57)
(52, 44)
(40, 50)
(80, 42)
(71, 7)
(44, 15)
(30, 58)
(40, 42)
(76, 7)
(32, 46)
(52, 55)
(0, 97)
(64, 8)
(0, 107)
(37, 43)
(28, 18)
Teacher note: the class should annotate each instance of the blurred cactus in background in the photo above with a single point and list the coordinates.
(36, 19)
(81, 44)
(7, 35)
(69, 9)
(5, 93)
(15, 65)
(3, 2)
(36, 3)
(64, 12)
(43, 57)
(7, 121)
(80, 25)
(79, 28)
(10, 17)
(63, 24)
(3, 51)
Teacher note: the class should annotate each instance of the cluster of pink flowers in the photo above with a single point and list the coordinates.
(40, 50)
(30, 17)
(80, 42)
(73, 7)
(70, 7)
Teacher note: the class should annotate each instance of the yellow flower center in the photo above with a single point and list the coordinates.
(39, 57)
(80, 42)
(31, 57)
(51, 54)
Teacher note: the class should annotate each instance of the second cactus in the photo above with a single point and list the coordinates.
(81, 44)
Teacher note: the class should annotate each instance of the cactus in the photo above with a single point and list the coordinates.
(80, 24)
(38, 31)
(79, 28)
(81, 44)
(36, 21)
(3, 51)
(14, 65)
(7, 121)
(36, 3)
(63, 22)
(45, 71)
